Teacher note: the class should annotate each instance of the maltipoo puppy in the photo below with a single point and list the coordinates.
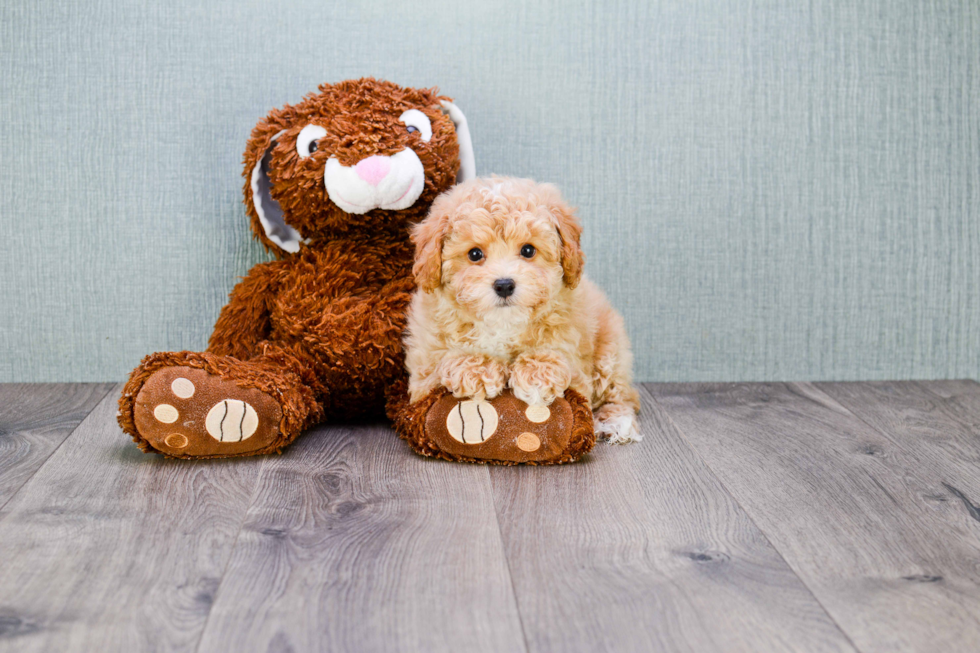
(502, 302)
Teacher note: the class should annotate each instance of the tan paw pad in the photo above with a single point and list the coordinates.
(231, 420)
(183, 388)
(537, 414)
(528, 442)
(176, 440)
(166, 413)
(472, 422)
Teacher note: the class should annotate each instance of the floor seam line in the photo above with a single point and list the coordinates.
(877, 429)
(53, 451)
(749, 516)
(503, 549)
(897, 441)
(945, 400)
(231, 554)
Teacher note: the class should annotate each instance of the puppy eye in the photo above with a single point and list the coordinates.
(306, 141)
(527, 251)
(417, 122)
(475, 254)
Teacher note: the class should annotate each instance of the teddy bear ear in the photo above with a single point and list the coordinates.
(268, 220)
(467, 162)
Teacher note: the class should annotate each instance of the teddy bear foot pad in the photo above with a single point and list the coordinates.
(503, 428)
(187, 413)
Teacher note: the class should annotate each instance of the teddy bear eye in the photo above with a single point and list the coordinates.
(417, 122)
(527, 251)
(475, 254)
(306, 142)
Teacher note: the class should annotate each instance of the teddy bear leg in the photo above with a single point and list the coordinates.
(503, 430)
(202, 405)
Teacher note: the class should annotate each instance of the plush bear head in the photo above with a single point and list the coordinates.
(360, 156)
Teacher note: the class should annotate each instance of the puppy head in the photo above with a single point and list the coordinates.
(499, 244)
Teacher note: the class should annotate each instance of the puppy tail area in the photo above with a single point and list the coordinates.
(411, 420)
(616, 423)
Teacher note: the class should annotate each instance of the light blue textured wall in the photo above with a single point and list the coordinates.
(771, 190)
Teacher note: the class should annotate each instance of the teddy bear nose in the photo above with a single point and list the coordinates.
(373, 169)
(504, 287)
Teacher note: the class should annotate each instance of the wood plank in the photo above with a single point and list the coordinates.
(354, 543)
(937, 422)
(110, 549)
(858, 518)
(640, 548)
(35, 418)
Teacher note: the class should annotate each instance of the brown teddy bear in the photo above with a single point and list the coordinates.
(332, 185)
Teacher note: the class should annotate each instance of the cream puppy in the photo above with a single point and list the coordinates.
(502, 302)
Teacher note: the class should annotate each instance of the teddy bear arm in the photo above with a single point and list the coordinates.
(378, 319)
(244, 321)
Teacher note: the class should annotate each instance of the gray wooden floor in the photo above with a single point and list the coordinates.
(752, 517)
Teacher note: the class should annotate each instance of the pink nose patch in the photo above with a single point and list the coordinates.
(373, 169)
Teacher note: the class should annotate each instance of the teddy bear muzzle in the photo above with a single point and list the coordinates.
(375, 182)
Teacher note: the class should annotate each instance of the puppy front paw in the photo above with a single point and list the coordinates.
(478, 377)
(538, 379)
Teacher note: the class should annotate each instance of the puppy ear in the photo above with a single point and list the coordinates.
(570, 233)
(428, 237)
(268, 221)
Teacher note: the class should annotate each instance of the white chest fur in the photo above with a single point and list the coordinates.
(501, 335)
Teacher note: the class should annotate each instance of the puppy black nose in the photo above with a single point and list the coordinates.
(504, 287)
